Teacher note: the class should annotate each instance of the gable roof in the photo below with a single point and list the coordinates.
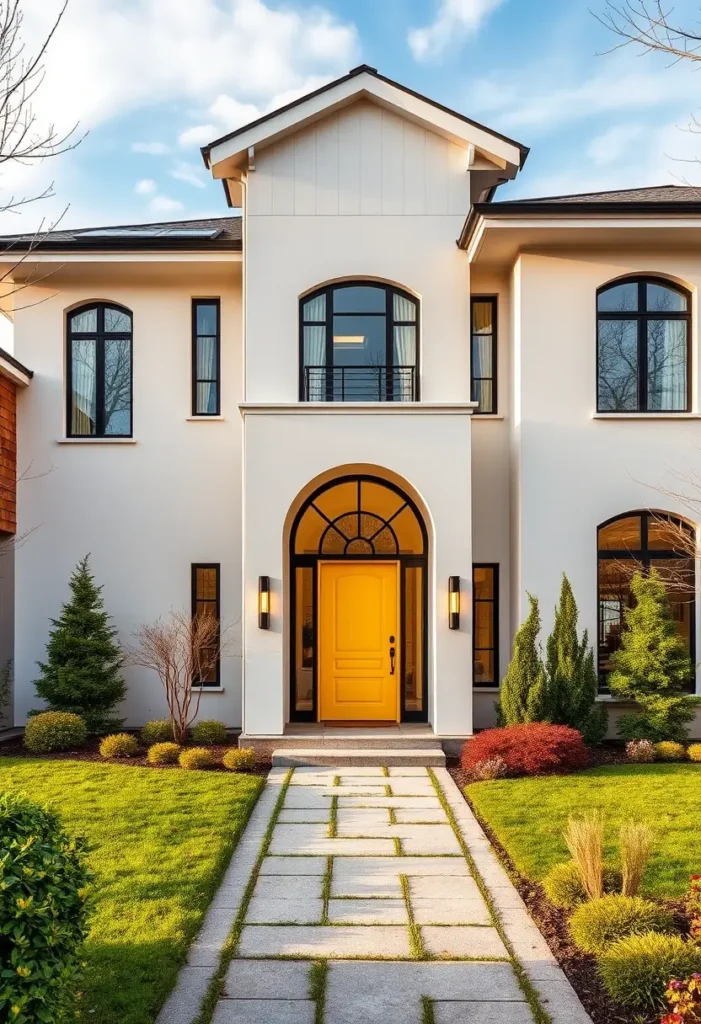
(354, 73)
(200, 234)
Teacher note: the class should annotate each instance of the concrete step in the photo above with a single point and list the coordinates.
(342, 757)
(369, 739)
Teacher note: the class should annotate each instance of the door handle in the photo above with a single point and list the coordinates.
(391, 660)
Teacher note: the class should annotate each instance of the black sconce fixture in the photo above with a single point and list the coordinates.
(454, 602)
(264, 602)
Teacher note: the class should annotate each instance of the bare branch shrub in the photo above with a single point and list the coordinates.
(182, 649)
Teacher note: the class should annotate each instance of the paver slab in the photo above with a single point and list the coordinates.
(450, 911)
(270, 979)
(264, 1011)
(423, 802)
(463, 940)
(421, 816)
(288, 887)
(326, 941)
(262, 910)
(436, 887)
(294, 816)
(293, 866)
(368, 911)
(482, 1013)
(290, 839)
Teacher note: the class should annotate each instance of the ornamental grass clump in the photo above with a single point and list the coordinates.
(585, 841)
(121, 744)
(563, 884)
(163, 753)
(197, 758)
(209, 733)
(636, 840)
(668, 750)
(54, 730)
(158, 731)
(241, 759)
(636, 970)
(43, 913)
(640, 751)
(599, 923)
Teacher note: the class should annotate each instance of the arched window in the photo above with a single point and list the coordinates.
(359, 343)
(99, 371)
(643, 346)
(358, 518)
(644, 540)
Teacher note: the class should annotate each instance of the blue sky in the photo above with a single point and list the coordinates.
(151, 80)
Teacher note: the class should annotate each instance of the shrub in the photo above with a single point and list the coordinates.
(241, 759)
(599, 923)
(54, 730)
(209, 733)
(563, 884)
(636, 847)
(684, 999)
(196, 758)
(693, 907)
(694, 752)
(158, 731)
(571, 680)
(523, 690)
(636, 970)
(640, 751)
(667, 750)
(490, 768)
(652, 666)
(528, 749)
(83, 670)
(163, 753)
(43, 913)
(585, 841)
(121, 744)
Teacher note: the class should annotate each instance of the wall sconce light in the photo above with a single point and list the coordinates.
(264, 602)
(454, 602)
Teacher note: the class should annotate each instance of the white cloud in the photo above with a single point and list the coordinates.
(164, 204)
(152, 148)
(611, 145)
(198, 135)
(191, 174)
(145, 187)
(454, 20)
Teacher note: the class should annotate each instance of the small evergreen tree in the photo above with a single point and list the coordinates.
(523, 689)
(83, 669)
(652, 666)
(571, 680)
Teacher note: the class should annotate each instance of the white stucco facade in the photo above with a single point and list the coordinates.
(363, 182)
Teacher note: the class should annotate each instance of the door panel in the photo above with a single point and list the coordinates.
(358, 613)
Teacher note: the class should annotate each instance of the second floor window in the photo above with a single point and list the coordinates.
(99, 351)
(206, 357)
(359, 343)
(643, 346)
(483, 354)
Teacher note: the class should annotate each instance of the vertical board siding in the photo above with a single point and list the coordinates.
(361, 160)
(8, 456)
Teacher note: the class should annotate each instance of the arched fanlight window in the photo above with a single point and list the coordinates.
(642, 541)
(643, 338)
(99, 371)
(359, 343)
(358, 518)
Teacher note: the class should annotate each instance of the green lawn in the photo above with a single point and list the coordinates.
(528, 816)
(162, 839)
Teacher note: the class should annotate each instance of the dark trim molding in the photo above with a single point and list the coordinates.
(216, 302)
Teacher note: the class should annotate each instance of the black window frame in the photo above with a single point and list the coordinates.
(390, 323)
(643, 316)
(494, 601)
(195, 566)
(100, 335)
(196, 303)
(493, 301)
(643, 555)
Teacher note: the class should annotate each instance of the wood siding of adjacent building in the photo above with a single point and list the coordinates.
(8, 456)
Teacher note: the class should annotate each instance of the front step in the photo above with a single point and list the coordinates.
(341, 757)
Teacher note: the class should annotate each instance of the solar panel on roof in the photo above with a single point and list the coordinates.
(150, 233)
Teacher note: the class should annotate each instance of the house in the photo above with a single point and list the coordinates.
(361, 420)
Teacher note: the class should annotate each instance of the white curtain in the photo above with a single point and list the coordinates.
(666, 365)
(404, 311)
(315, 347)
(84, 387)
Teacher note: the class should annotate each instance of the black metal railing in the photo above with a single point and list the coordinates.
(360, 384)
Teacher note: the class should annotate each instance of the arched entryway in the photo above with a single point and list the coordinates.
(358, 601)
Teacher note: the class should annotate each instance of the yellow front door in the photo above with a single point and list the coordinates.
(359, 641)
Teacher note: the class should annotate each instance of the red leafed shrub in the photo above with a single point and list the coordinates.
(528, 749)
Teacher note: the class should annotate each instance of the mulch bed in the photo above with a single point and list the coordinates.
(552, 921)
(91, 752)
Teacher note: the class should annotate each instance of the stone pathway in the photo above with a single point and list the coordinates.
(368, 907)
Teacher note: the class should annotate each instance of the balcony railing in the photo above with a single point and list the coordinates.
(360, 384)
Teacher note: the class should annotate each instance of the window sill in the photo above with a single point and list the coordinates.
(97, 440)
(477, 416)
(646, 416)
(205, 419)
(209, 689)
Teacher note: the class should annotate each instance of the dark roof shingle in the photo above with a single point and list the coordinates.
(202, 233)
